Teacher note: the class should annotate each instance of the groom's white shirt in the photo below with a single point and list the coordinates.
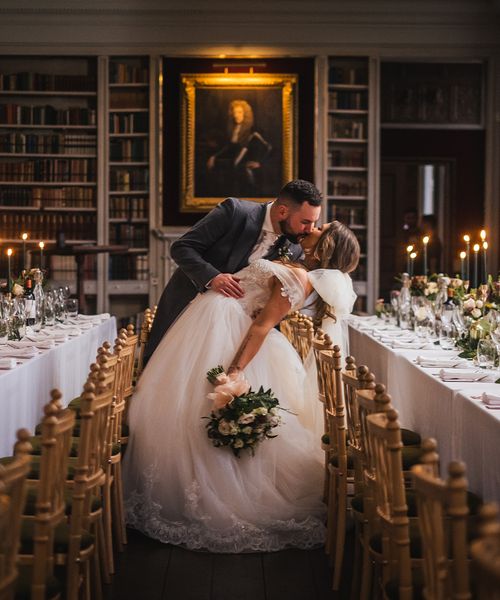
(266, 238)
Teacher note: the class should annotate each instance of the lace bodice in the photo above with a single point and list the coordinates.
(256, 280)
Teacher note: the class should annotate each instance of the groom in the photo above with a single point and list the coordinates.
(235, 233)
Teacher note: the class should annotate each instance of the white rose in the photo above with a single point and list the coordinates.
(479, 304)
(246, 418)
(238, 444)
(476, 313)
(274, 421)
(262, 410)
(421, 313)
(274, 411)
(246, 430)
(432, 287)
(17, 289)
(227, 427)
(469, 304)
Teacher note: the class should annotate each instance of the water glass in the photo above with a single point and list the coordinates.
(72, 307)
(446, 336)
(4, 330)
(49, 315)
(486, 354)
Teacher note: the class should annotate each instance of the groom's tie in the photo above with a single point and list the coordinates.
(273, 251)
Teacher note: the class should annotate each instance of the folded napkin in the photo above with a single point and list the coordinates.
(7, 363)
(410, 345)
(20, 344)
(18, 352)
(491, 400)
(101, 317)
(70, 330)
(467, 375)
(429, 361)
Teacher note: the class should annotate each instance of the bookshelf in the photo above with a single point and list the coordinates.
(128, 193)
(348, 158)
(48, 154)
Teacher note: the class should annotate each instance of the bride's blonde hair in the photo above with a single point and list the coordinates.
(337, 248)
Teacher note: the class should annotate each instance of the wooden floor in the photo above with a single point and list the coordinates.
(149, 570)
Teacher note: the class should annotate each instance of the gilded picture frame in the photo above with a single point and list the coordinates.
(238, 137)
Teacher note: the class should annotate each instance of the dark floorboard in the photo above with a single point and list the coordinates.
(149, 570)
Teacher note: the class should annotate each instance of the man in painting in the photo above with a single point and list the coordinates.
(235, 167)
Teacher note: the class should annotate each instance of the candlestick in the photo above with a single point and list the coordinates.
(24, 237)
(462, 264)
(41, 246)
(413, 256)
(9, 254)
(476, 250)
(425, 241)
(485, 247)
(467, 249)
(409, 250)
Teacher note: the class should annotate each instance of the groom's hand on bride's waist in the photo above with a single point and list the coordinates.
(227, 285)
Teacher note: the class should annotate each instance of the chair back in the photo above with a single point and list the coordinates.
(12, 497)
(384, 439)
(286, 326)
(146, 326)
(127, 358)
(442, 519)
(304, 336)
(485, 553)
(330, 372)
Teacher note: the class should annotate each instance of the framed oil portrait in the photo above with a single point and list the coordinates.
(238, 137)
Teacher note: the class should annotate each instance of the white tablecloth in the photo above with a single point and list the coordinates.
(451, 412)
(26, 389)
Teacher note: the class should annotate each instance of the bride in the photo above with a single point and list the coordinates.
(182, 490)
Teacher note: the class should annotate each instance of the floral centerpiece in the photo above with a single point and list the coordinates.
(240, 417)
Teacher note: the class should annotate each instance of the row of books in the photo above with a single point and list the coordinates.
(125, 73)
(133, 235)
(347, 187)
(343, 128)
(47, 82)
(348, 75)
(128, 123)
(346, 158)
(49, 170)
(63, 268)
(75, 226)
(47, 143)
(349, 215)
(22, 114)
(129, 99)
(347, 100)
(135, 149)
(122, 180)
(129, 267)
(128, 207)
(75, 197)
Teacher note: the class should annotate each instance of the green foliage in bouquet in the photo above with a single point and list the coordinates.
(214, 373)
(245, 421)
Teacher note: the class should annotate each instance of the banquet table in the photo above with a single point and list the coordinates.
(25, 389)
(449, 411)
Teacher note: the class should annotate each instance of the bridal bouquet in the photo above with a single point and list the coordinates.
(240, 418)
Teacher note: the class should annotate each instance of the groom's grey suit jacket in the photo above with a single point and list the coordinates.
(221, 242)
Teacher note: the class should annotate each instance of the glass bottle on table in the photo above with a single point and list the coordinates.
(448, 308)
(29, 300)
(405, 303)
(442, 294)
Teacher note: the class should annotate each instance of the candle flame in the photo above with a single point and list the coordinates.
(409, 248)
(9, 251)
(42, 245)
(426, 239)
(413, 255)
(476, 248)
(463, 255)
(482, 234)
(24, 237)
(485, 245)
(466, 237)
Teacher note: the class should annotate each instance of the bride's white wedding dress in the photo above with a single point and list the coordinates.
(179, 488)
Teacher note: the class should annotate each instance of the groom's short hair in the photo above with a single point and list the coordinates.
(300, 191)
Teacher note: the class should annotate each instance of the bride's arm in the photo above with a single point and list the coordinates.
(277, 308)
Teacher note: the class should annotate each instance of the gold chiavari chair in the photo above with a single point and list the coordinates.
(304, 336)
(442, 518)
(12, 498)
(485, 552)
(147, 323)
(286, 326)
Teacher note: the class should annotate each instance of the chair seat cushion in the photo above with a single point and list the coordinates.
(325, 438)
(35, 466)
(410, 438)
(31, 496)
(334, 460)
(36, 443)
(61, 538)
(54, 585)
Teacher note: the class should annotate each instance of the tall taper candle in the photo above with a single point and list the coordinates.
(425, 241)
(24, 237)
(413, 256)
(41, 246)
(409, 250)
(476, 250)
(467, 251)
(485, 263)
(462, 264)
(9, 278)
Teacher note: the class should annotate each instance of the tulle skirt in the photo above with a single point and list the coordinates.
(179, 488)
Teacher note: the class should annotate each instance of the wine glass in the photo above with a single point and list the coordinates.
(49, 316)
(72, 307)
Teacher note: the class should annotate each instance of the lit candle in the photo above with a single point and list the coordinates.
(41, 246)
(467, 251)
(425, 241)
(482, 235)
(413, 256)
(24, 237)
(485, 247)
(409, 250)
(462, 264)
(476, 250)
(9, 254)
